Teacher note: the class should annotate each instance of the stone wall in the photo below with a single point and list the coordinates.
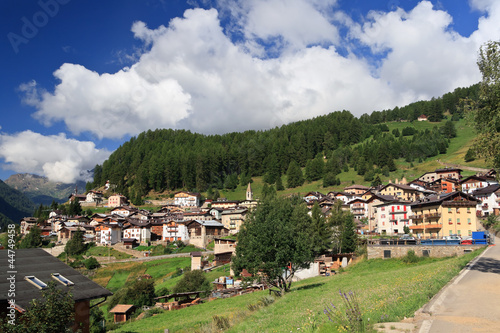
(435, 251)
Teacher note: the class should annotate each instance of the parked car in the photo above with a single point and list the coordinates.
(453, 237)
(407, 237)
(466, 241)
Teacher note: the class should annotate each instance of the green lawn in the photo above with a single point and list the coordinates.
(388, 290)
(102, 251)
(118, 280)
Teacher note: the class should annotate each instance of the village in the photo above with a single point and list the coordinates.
(435, 205)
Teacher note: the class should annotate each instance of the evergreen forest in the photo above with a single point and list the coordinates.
(167, 159)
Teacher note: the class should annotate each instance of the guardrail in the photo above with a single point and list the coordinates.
(426, 242)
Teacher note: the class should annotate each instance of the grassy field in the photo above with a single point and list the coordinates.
(102, 251)
(388, 290)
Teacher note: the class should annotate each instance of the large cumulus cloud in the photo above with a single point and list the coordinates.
(55, 156)
(273, 62)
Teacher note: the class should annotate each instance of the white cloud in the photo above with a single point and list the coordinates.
(195, 76)
(55, 156)
(425, 57)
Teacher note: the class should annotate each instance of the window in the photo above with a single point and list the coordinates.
(468, 210)
(468, 221)
(450, 233)
(449, 209)
(470, 232)
(387, 254)
(36, 282)
(459, 231)
(458, 221)
(449, 221)
(62, 279)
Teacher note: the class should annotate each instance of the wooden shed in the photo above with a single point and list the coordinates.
(122, 312)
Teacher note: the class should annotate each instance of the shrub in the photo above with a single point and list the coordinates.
(410, 258)
(91, 263)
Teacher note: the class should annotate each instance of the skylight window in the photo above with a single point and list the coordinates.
(62, 279)
(36, 282)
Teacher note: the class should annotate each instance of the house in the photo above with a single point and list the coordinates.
(203, 232)
(123, 211)
(392, 216)
(66, 233)
(403, 192)
(202, 216)
(444, 185)
(122, 312)
(108, 234)
(313, 196)
(216, 213)
(78, 219)
(225, 204)
(175, 230)
(473, 183)
(137, 229)
(345, 197)
(78, 197)
(94, 196)
(454, 173)
(487, 200)
(232, 219)
(187, 199)
(157, 229)
(356, 189)
(428, 177)
(27, 223)
(35, 268)
(422, 117)
(142, 215)
(447, 214)
(224, 250)
(358, 208)
(117, 200)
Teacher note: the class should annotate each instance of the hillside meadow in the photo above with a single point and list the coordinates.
(455, 154)
(388, 290)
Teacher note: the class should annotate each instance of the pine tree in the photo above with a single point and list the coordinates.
(349, 236)
(279, 184)
(294, 175)
(321, 231)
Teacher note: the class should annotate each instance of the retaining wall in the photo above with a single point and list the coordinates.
(435, 251)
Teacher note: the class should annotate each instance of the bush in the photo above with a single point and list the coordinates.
(410, 258)
(193, 281)
(91, 263)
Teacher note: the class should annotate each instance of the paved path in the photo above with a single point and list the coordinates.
(471, 301)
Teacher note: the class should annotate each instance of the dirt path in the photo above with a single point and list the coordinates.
(463, 167)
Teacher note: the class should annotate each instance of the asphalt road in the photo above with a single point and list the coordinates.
(471, 302)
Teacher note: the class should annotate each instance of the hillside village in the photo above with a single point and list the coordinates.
(436, 204)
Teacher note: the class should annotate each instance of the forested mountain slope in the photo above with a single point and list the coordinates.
(13, 205)
(171, 159)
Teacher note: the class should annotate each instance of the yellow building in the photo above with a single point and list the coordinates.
(403, 192)
(451, 214)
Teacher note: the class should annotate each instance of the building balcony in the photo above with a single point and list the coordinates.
(426, 226)
(416, 217)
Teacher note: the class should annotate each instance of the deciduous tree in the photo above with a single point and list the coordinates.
(275, 241)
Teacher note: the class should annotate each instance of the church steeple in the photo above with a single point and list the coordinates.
(249, 193)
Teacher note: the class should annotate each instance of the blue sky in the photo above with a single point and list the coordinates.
(81, 77)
